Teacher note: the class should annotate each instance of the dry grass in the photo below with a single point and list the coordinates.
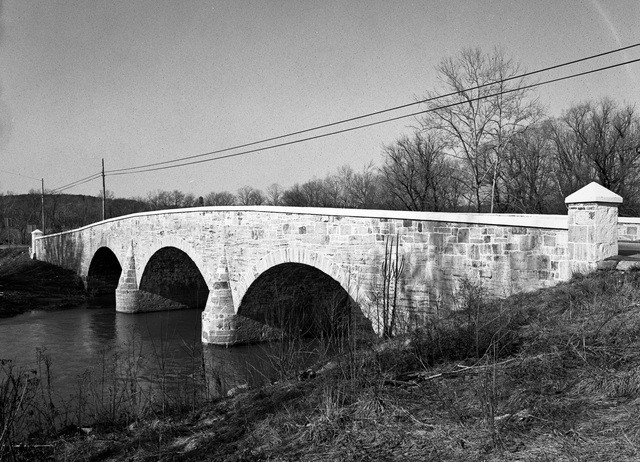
(547, 376)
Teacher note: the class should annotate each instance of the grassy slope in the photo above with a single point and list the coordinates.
(27, 284)
(557, 379)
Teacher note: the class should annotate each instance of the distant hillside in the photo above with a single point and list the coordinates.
(21, 213)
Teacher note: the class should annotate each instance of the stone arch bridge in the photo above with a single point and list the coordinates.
(214, 257)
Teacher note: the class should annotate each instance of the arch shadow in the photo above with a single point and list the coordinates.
(299, 300)
(168, 240)
(174, 280)
(102, 277)
(305, 257)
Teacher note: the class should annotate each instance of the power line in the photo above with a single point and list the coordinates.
(533, 85)
(147, 167)
(76, 183)
(363, 116)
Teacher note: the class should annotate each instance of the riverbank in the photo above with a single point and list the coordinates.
(551, 375)
(27, 284)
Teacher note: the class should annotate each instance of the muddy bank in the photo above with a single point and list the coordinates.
(27, 284)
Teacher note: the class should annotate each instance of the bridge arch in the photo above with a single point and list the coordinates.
(302, 256)
(171, 280)
(142, 258)
(102, 276)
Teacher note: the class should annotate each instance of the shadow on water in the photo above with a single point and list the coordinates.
(80, 367)
(94, 349)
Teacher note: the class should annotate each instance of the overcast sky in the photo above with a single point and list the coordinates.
(142, 81)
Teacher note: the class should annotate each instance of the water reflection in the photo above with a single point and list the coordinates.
(102, 324)
(162, 346)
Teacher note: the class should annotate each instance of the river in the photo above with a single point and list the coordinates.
(151, 347)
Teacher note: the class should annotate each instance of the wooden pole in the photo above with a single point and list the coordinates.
(104, 195)
(42, 207)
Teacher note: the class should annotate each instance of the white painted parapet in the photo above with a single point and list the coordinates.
(628, 229)
(35, 235)
(592, 226)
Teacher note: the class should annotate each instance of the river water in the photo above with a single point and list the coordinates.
(162, 345)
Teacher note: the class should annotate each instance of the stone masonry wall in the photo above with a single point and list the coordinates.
(629, 229)
(438, 255)
(233, 246)
(592, 234)
(439, 250)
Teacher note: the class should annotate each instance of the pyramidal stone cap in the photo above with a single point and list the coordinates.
(593, 192)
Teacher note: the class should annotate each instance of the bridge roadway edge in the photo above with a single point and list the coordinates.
(233, 246)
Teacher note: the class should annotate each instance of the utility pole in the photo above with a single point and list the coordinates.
(42, 207)
(104, 195)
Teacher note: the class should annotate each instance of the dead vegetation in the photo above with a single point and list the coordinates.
(545, 376)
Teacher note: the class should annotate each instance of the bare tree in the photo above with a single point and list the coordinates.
(220, 199)
(354, 189)
(274, 194)
(365, 188)
(599, 142)
(418, 176)
(526, 179)
(159, 200)
(295, 197)
(486, 107)
(332, 191)
(109, 194)
(248, 195)
(313, 193)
